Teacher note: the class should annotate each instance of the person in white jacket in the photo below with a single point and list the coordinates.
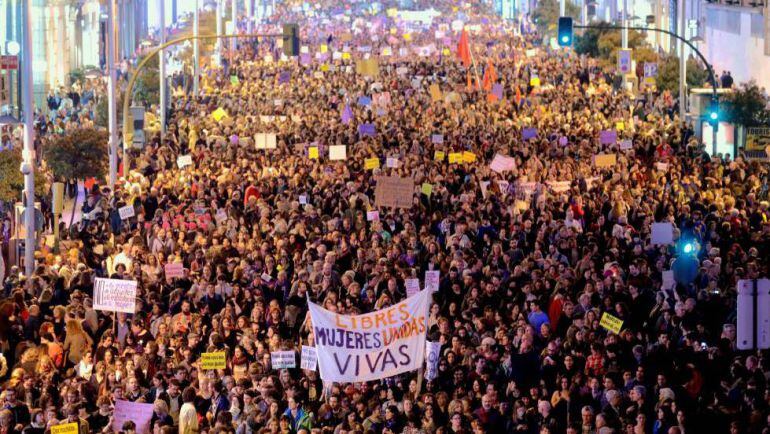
(188, 416)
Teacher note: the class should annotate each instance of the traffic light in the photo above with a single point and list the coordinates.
(291, 39)
(565, 31)
(712, 115)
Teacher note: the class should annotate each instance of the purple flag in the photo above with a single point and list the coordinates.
(364, 101)
(347, 115)
(497, 91)
(284, 77)
(305, 59)
(528, 133)
(608, 137)
(367, 130)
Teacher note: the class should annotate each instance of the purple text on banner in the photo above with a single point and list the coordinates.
(528, 133)
(367, 130)
(608, 137)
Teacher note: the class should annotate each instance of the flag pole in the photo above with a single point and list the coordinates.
(475, 67)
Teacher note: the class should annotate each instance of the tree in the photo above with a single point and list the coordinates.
(588, 42)
(668, 74)
(747, 106)
(609, 44)
(546, 15)
(12, 181)
(78, 154)
(147, 87)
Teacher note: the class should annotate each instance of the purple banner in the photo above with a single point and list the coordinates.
(528, 133)
(608, 137)
(367, 130)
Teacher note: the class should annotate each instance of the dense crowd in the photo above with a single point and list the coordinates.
(530, 258)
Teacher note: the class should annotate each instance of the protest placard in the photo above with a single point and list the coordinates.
(215, 360)
(219, 114)
(115, 295)
(528, 133)
(426, 189)
(437, 139)
(439, 155)
(432, 355)
(611, 323)
(309, 359)
(368, 67)
(394, 191)
(138, 413)
(608, 137)
(337, 152)
(626, 144)
(667, 280)
(558, 186)
(391, 162)
(312, 153)
(126, 212)
(391, 345)
(605, 160)
(372, 216)
(662, 233)
(183, 161)
(469, 157)
(265, 141)
(455, 157)
(173, 270)
(432, 280)
(65, 428)
(435, 92)
(302, 199)
(367, 130)
(412, 286)
(283, 359)
(372, 163)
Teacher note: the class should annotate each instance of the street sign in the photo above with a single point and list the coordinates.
(650, 69)
(9, 62)
(137, 114)
(624, 61)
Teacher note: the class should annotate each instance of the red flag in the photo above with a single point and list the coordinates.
(518, 95)
(490, 76)
(463, 49)
(468, 81)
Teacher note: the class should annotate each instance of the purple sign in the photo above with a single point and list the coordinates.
(305, 59)
(563, 141)
(608, 137)
(437, 139)
(528, 133)
(284, 77)
(347, 115)
(497, 91)
(364, 101)
(367, 130)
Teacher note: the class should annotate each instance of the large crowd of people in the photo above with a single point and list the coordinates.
(530, 257)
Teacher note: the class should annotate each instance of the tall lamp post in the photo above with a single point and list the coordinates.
(162, 54)
(28, 163)
(111, 101)
(196, 49)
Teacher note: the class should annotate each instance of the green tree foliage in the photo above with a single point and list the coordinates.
(11, 179)
(604, 43)
(147, 86)
(79, 154)
(668, 74)
(546, 15)
(747, 106)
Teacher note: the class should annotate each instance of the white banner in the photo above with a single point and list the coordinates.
(126, 212)
(374, 345)
(115, 295)
(432, 354)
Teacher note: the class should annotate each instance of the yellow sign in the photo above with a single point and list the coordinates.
(446, 52)
(219, 114)
(213, 360)
(392, 12)
(455, 157)
(313, 153)
(534, 81)
(426, 189)
(65, 428)
(345, 56)
(611, 323)
(324, 48)
(439, 155)
(393, 30)
(407, 36)
(605, 160)
(372, 163)
(469, 157)
(620, 126)
(368, 67)
(324, 67)
(521, 205)
(435, 92)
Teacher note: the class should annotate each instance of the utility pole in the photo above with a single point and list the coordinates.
(111, 101)
(162, 54)
(562, 8)
(249, 16)
(682, 61)
(196, 49)
(234, 18)
(219, 32)
(28, 163)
